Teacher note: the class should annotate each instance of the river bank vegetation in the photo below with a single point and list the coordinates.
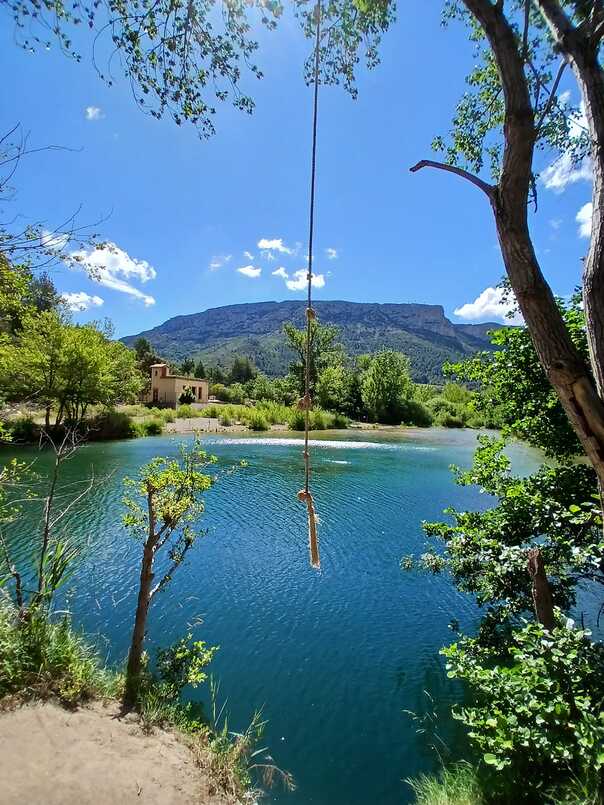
(43, 657)
(55, 374)
(536, 683)
(533, 675)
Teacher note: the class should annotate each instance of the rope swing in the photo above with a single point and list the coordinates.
(304, 495)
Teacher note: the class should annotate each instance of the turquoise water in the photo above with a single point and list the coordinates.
(333, 657)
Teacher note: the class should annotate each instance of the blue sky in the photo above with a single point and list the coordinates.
(182, 212)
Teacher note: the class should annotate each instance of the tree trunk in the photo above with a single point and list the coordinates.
(47, 418)
(580, 47)
(542, 594)
(140, 622)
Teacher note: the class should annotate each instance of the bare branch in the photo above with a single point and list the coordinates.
(14, 573)
(464, 174)
(552, 95)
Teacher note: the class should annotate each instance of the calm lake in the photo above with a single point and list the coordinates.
(334, 657)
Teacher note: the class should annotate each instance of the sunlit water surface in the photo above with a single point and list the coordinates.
(334, 657)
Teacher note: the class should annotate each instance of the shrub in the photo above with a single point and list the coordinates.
(318, 420)
(340, 420)
(187, 411)
(537, 709)
(275, 413)
(186, 396)
(423, 392)
(446, 420)
(153, 427)
(137, 410)
(225, 420)
(236, 393)
(23, 429)
(416, 413)
(220, 391)
(114, 425)
(167, 414)
(296, 419)
(257, 421)
(39, 658)
(438, 405)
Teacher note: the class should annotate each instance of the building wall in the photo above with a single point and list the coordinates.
(166, 389)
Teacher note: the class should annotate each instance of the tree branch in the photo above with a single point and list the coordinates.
(464, 174)
(552, 95)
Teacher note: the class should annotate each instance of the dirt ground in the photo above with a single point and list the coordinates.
(53, 756)
(207, 425)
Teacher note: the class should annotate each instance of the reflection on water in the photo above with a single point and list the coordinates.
(334, 657)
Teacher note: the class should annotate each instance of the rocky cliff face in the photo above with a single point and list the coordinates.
(255, 329)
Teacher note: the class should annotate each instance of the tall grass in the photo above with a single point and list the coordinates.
(40, 658)
(456, 785)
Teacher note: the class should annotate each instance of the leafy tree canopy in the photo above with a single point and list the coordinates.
(242, 370)
(182, 58)
(512, 381)
(324, 351)
(68, 367)
(387, 387)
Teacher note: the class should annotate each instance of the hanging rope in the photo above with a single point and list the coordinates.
(305, 403)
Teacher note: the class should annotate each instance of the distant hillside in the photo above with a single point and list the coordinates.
(217, 335)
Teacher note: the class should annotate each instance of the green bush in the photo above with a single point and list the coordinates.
(318, 420)
(167, 414)
(416, 413)
(446, 420)
(114, 425)
(137, 409)
(536, 714)
(423, 392)
(225, 420)
(438, 405)
(257, 421)
(340, 421)
(296, 419)
(187, 411)
(23, 429)
(153, 427)
(39, 658)
(275, 413)
(187, 396)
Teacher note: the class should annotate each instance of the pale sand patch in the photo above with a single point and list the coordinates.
(91, 756)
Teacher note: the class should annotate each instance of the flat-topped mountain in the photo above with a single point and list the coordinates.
(255, 329)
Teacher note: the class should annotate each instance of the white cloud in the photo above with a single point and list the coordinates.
(218, 261)
(274, 245)
(249, 255)
(250, 271)
(113, 268)
(489, 305)
(562, 172)
(299, 280)
(332, 254)
(556, 223)
(583, 218)
(81, 301)
(53, 241)
(280, 272)
(93, 113)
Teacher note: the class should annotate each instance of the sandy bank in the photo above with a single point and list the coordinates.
(53, 756)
